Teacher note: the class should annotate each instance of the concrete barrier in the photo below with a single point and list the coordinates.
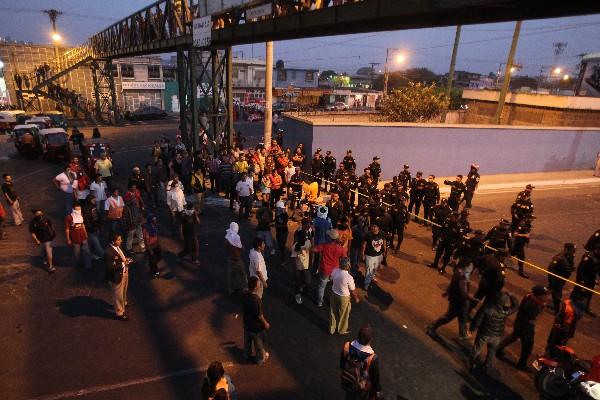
(449, 149)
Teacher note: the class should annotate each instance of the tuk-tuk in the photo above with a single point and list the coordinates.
(25, 116)
(9, 119)
(94, 148)
(27, 140)
(58, 118)
(42, 122)
(55, 144)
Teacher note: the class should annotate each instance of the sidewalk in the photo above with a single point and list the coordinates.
(520, 180)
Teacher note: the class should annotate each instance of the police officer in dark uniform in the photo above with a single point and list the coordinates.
(521, 239)
(349, 163)
(329, 164)
(522, 207)
(417, 192)
(353, 186)
(531, 306)
(318, 169)
(375, 169)
(463, 222)
(449, 240)
(404, 176)
(457, 188)
(341, 172)
(343, 190)
(499, 236)
(385, 223)
(562, 264)
(471, 184)
(439, 214)
(400, 219)
(431, 196)
(587, 274)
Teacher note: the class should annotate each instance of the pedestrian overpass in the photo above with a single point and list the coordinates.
(168, 26)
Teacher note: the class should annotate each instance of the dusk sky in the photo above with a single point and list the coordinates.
(482, 49)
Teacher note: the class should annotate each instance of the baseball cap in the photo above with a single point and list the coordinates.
(529, 186)
(539, 290)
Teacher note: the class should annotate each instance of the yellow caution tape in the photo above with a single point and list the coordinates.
(486, 246)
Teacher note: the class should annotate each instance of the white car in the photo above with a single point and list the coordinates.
(337, 106)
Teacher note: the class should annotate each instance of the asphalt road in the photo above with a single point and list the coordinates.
(58, 339)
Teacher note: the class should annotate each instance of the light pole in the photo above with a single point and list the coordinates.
(399, 59)
(53, 14)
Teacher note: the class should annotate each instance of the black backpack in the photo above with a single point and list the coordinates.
(355, 373)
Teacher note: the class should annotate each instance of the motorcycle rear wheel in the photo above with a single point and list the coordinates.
(551, 385)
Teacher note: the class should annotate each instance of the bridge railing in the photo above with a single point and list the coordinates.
(172, 19)
(162, 20)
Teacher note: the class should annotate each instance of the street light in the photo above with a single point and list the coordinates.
(557, 71)
(400, 58)
(566, 77)
(56, 37)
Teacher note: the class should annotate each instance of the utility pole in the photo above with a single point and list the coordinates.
(373, 64)
(268, 93)
(53, 14)
(452, 67)
(385, 73)
(507, 73)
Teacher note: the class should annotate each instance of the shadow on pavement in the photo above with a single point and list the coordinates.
(84, 306)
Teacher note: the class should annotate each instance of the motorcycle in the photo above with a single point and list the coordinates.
(560, 376)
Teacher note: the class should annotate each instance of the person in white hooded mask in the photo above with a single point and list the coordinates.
(237, 280)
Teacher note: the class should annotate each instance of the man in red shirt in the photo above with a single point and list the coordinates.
(330, 259)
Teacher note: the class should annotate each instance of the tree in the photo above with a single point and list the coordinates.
(326, 75)
(519, 81)
(416, 102)
(402, 78)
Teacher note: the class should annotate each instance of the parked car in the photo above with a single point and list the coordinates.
(148, 113)
(27, 140)
(55, 144)
(58, 118)
(337, 106)
(9, 119)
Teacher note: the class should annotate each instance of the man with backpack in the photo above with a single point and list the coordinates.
(360, 367)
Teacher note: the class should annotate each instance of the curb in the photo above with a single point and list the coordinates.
(538, 184)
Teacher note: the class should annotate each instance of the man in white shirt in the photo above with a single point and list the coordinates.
(64, 182)
(340, 305)
(245, 191)
(257, 266)
(288, 172)
(98, 189)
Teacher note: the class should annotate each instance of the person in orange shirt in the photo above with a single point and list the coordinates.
(565, 323)
(276, 187)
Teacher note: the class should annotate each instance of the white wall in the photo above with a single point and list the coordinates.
(443, 150)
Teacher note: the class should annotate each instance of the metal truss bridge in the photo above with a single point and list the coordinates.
(167, 26)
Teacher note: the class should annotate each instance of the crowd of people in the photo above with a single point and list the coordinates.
(343, 220)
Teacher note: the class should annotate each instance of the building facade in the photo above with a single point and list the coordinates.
(294, 77)
(139, 82)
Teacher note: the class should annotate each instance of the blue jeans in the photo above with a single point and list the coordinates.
(267, 237)
(68, 202)
(354, 258)
(372, 263)
(82, 259)
(94, 244)
(322, 285)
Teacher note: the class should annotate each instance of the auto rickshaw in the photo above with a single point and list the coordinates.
(55, 144)
(58, 118)
(27, 140)
(9, 119)
(42, 122)
(94, 148)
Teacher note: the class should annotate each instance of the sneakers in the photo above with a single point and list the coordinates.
(96, 258)
(320, 304)
(123, 318)
(51, 269)
(299, 298)
(272, 252)
(156, 274)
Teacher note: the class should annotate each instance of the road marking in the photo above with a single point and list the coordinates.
(541, 189)
(121, 385)
(37, 171)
